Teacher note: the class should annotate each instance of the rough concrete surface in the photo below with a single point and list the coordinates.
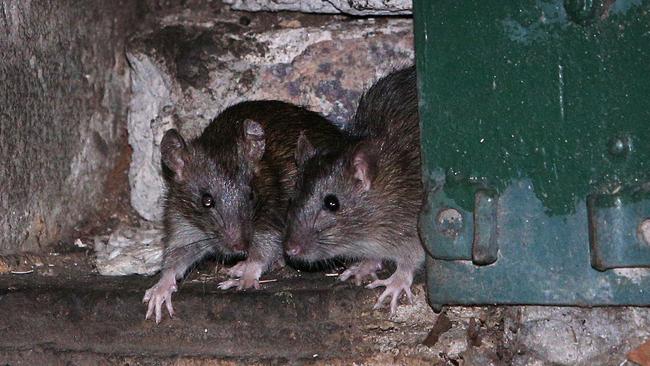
(62, 111)
(66, 313)
(575, 336)
(352, 7)
(129, 251)
(191, 64)
(62, 312)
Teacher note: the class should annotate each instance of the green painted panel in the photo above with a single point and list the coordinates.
(547, 101)
(515, 89)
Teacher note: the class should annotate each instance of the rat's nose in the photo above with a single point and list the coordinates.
(240, 246)
(294, 250)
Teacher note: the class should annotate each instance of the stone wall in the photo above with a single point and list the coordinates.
(63, 100)
(351, 7)
(194, 61)
(76, 75)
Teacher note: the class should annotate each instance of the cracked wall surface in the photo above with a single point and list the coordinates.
(62, 110)
(195, 61)
(351, 7)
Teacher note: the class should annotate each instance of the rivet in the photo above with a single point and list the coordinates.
(450, 222)
(644, 231)
(620, 146)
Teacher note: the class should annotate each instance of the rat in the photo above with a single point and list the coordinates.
(362, 201)
(227, 192)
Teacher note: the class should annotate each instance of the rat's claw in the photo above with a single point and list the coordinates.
(159, 294)
(377, 283)
(248, 274)
(240, 283)
(361, 270)
(395, 286)
(170, 308)
(150, 309)
(409, 295)
(228, 284)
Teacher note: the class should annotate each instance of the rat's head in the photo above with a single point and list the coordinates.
(332, 211)
(212, 187)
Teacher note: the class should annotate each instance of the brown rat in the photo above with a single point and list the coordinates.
(362, 201)
(228, 191)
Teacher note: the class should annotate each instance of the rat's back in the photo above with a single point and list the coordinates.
(389, 109)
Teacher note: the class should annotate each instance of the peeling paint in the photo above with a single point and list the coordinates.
(636, 275)
(623, 6)
(552, 14)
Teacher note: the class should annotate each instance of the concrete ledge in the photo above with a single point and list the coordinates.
(62, 311)
(92, 318)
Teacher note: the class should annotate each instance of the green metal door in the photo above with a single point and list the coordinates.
(535, 121)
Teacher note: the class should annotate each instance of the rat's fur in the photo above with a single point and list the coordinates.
(377, 181)
(244, 160)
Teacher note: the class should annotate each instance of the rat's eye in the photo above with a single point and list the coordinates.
(252, 196)
(207, 200)
(331, 203)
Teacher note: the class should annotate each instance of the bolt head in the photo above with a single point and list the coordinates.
(449, 222)
(620, 146)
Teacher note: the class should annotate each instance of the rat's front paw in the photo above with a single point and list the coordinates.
(361, 270)
(160, 293)
(240, 284)
(247, 275)
(237, 270)
(396, 285)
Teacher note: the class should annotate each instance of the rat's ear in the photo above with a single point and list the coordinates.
(363, 165)
(304, 150)
(173, 152)
(254, 142)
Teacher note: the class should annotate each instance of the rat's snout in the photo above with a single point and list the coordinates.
(293, 248)
(240, 245)
(294, 251)
(236, 240)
